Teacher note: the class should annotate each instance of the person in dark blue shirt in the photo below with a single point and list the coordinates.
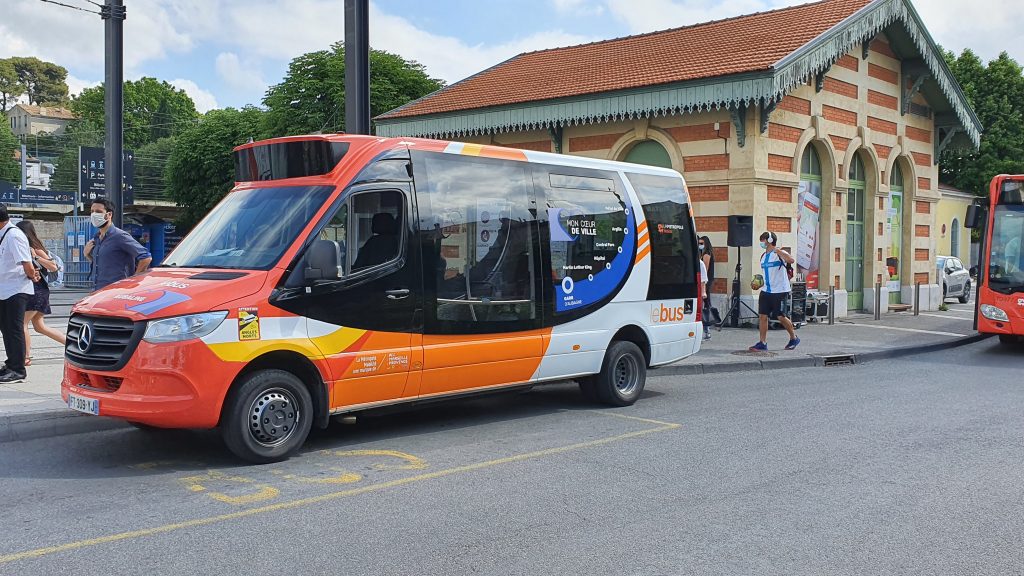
(114, 254)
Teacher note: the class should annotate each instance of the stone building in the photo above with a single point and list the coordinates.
(823, 122)
(29, 120)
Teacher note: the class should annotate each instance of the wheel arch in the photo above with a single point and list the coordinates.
(636, 335)
(304, 369)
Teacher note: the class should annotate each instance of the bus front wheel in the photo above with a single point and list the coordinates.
(267, 416)
(622, 377)
(1009, 340)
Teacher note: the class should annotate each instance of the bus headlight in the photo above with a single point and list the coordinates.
(993, 313)
(183, 328)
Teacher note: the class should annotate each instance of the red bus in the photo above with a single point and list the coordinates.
(1001, 271)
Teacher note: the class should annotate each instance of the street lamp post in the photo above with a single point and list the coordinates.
(113, 14)
(357, 67)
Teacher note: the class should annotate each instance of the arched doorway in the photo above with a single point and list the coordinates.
(650, 153)
(855, 235)
(808, 216)
(954, 238)
(894, 222)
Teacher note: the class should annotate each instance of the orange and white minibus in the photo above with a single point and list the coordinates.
(344, 273)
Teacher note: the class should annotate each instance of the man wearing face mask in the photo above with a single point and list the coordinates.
(114, 254)
(774, 265)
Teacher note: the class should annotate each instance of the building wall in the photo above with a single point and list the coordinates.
(856, 113)
(953, 207)
(25, 124)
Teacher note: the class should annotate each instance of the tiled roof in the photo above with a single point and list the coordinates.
(47, 111)
(750, 43)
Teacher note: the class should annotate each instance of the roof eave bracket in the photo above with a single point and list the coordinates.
(739, 121)
(941, 144)
(918, 76)
(766, 114)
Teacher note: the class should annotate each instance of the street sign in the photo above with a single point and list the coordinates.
(8, 193)
(94, 171)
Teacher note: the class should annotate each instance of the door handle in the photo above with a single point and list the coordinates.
(397, 294)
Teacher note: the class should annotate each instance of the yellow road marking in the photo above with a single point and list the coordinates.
(39, 552)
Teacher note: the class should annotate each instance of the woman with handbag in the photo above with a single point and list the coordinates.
(39, 303)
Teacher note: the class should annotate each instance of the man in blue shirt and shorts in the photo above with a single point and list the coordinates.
(775, 265)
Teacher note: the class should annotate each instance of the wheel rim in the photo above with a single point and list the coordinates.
(273, 417)
(627, 375)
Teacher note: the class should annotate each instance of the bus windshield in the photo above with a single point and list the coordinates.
(1006, 269)
(250, 229)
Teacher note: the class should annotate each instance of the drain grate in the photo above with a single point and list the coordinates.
(838, 360)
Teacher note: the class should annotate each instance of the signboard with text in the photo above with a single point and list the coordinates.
(94, 171)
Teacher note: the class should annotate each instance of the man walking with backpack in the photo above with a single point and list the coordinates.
(775, 265)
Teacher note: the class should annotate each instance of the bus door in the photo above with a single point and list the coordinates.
(480, 261)
(367, 323)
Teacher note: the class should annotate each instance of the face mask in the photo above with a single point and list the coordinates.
(701, 246)
(764, 245)
(97, 219)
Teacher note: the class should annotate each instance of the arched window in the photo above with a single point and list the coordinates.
(810, 166)
(649, 153)
(855, 235)
(809, 201)
(894, 219)
(954, 238)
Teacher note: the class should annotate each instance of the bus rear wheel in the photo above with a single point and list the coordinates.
(622, 377)
(267, 416)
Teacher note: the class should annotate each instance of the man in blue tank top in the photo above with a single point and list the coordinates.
(775, 265)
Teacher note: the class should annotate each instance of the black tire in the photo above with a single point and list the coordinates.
(966, 296)
(623, 375)
(144, 427)
(1009, 340)
(945, 294)
(267, 416)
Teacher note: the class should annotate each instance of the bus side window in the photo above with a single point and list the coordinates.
(673, 240)
(482, 267)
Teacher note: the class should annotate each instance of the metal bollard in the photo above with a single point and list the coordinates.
(878, 300)
(831, 305)
(917, 299)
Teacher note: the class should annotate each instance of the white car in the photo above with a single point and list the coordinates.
(955, 279)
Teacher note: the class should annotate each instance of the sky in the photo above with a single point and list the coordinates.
(227, 52)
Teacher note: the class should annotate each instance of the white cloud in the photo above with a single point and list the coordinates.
(203, 99)
(450, 58)
(579, 7)
(650, 15)
(244, 78)
(76, 85)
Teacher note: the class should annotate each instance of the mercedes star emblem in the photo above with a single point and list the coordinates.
(85, 338)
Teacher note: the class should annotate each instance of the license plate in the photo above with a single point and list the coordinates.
(87, 405)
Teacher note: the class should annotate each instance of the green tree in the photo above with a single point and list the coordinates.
(311, 98)
(10, 86)
(10, 170)
(996, 92)
(81, 132)
(150, 162)
(200, 169)
(153, 109)
(44, 82)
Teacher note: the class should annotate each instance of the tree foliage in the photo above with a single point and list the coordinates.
(10, 86)
(200, 170)
(153, 109)
(311, 98)
(81, 132)
(10, 170)
(43, 82)
(996, 92)
(150, 161)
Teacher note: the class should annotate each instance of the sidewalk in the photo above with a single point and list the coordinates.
(34, 408)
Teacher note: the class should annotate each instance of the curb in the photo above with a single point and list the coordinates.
(812, 361)
(61, 422)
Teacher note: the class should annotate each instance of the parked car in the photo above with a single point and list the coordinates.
(955, 279)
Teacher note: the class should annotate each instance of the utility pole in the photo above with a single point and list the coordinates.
(357, 67)
(113, 14)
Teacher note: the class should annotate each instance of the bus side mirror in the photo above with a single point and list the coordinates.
(973, 218)
(323, 261)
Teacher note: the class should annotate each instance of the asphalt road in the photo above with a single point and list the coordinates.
(913, 466)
